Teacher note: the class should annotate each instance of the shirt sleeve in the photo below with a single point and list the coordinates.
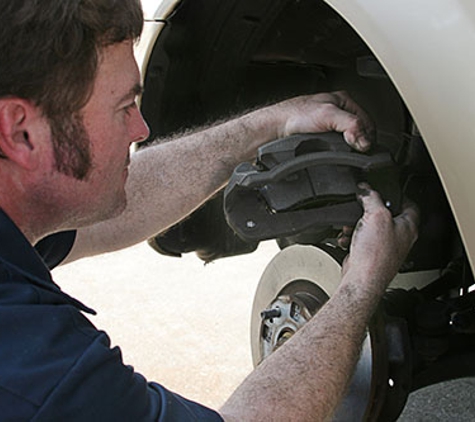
(56, 247)
(101, 388)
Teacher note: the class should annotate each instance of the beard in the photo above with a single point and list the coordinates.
(72, 146)
(74, 158)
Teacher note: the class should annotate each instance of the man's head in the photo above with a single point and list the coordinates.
(68, 112)
(49, 52)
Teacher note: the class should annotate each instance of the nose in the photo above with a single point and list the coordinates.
(139, 130)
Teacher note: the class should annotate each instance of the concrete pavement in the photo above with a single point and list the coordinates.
(186, 325)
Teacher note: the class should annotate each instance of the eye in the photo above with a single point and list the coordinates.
(129, 107)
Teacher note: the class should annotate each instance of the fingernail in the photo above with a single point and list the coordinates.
(363, 143)
(364, 185)
(362, 189)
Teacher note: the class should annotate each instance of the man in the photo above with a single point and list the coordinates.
(68, 84)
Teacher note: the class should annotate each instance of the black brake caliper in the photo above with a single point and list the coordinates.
(304, 182)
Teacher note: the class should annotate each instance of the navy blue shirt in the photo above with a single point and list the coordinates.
(54, 364)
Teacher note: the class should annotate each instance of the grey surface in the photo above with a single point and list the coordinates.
(449, 401)
(186, 325)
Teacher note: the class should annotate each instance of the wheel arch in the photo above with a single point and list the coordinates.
(440, 100)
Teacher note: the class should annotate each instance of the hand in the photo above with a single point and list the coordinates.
(329, 112)
(380, 243)
(334, 111)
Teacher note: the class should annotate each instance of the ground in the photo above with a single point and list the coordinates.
(186, 325)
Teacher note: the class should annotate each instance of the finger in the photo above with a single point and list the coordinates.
(343, 240)
(360, 135)
(329, 117)
(370, 199)
(345, 102)
(347, 230)
(408, 219)
(410, 210)
(331, 112)
(353, 128)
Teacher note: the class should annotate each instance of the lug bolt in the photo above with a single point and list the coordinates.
(271, 313)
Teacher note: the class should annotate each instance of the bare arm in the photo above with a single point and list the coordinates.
(170, 180)
(307, 376)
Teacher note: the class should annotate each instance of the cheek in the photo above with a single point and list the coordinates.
(110, 140)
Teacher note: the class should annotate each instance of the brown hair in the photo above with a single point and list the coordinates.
(49, 50)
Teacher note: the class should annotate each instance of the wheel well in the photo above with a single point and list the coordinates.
(216, 59)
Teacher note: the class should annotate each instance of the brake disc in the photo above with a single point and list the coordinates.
(294, 286)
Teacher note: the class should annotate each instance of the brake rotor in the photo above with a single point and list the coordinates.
(293, 287)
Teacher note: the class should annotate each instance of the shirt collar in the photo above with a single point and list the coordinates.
(17, 253)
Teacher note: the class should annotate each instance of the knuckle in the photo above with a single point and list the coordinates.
(354, 124)
(328, 110)
(341, 94)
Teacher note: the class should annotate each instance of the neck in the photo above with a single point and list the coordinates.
(26, 213)
(28, 231)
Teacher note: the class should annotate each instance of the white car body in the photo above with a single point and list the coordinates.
(427, 48)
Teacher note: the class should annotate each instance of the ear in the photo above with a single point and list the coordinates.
(21, 129)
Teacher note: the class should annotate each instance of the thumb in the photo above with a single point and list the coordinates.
(369, 198)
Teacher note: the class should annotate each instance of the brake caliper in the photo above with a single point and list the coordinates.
(304, 182)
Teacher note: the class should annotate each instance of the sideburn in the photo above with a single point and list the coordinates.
(72, 148)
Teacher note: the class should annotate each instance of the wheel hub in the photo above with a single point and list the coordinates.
(286, 315)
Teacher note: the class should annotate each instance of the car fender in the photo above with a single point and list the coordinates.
(439, 90)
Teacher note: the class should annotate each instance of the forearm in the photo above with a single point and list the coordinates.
(305, 378)
(172, 178)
